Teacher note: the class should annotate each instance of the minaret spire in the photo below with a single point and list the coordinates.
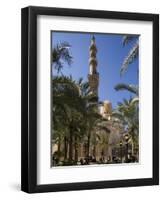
(93, 75)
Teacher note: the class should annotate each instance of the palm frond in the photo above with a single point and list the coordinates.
(61, 54)
(133, 54)
(80, 81)
(135, 100)
(129, 87)
(128, 38)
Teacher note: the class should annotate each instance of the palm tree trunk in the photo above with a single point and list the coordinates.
(132, 150)
(76, 149)
(88, 144)
(94, 151)
(59, 147)
(70, 146)
(65, 148)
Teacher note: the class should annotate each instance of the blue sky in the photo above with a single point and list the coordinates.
(110, 56)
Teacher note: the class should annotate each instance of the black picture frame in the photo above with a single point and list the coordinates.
(29, 99)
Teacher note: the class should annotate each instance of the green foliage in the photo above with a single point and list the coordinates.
(74, 112)
(60, 55)
(128, 114)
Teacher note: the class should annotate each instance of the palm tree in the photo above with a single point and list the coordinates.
(74, 105)
(61, 54)
(65, 95)
(90, 112)
(127, 113)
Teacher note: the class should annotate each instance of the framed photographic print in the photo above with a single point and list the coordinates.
(90, 99)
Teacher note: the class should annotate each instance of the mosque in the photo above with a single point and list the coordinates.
(114, 136)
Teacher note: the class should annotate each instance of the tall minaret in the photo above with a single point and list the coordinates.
(93, 76)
